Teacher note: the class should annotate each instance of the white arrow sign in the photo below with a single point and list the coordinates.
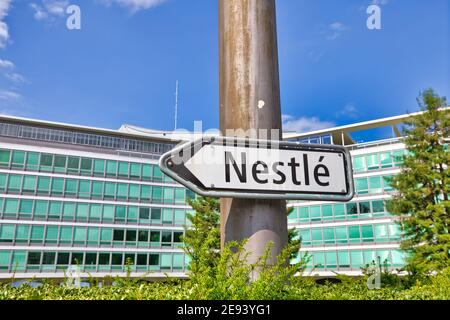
(227, 167)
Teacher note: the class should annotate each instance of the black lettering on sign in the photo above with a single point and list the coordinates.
(294, 165)
(325, 173)
(242, 175)
(282, 176)
(256, 172)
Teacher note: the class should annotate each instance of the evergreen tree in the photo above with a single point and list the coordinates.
(202, 237)
(423, 187)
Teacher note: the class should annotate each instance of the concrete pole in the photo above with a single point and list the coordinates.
(250, 99)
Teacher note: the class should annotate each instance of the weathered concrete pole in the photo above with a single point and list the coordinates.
(250, 99)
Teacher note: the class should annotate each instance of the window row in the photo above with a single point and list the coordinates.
(373, 185)
(47, 261)
(338, 211)
(355, 259)
(83, 236)
(46, 162)
(80, 138)
(377, 161)
(87, 189)
(350, 234)
(44, 210)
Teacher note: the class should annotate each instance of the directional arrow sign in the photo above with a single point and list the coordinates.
(260, 169)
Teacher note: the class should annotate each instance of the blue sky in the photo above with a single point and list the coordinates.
(122, 65)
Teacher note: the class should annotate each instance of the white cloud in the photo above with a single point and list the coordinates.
(6, 64)
(15, 77)
(335, 30)
(49, 9)
(4, 30)
(135, 5)
(9, 95)
(349, 111)
(304, 124)
(380, 2)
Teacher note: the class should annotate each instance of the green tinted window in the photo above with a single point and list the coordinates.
(108, 212)
(66, 234)
(328, 234)
(44, 184)
(29, 183)
(52, 233)
(22, 232)
(26, 206)
(146, 172)
(167, 216)
(86, 165)
(157, 194)
(71, 186)
(135, 170)
(82, 211)
(11, 206)
(367, 232)
(4, 157)
(2, 181)
(378, 206)
(386, 160)
(46, 160)
(122, 190)
(32, 161)
(157, 174)
(344, 259)
(18, 158)
(361, 185)
(97, 189)
(80, 234)
(93, 234)
(123, 169)
(7, 232)
(57, 185)
(60, 163)
(303, 213)
(14, 182)
(111, 168)
(315, 213)
(354, 233)
(110, 189)
(73, 164)
(375, 184)
(106, 235)
(121, 213)
(339, 210)
(359, 164)
(341, 233)
(134, 191)
(372, 161)
(37, 233)
(95, 211)
(5, 257)
(84, 188)
(40, 209)
(327, 211)
(357, 259)
(168, 194)
(69, 210)
(179, 196)
(99, 167)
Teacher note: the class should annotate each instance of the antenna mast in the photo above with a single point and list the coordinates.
(176, 106)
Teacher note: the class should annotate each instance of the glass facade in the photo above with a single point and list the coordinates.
(347, 236)
(97, 208)
(109, 203)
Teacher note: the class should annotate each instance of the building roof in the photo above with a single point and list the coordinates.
(343, 132)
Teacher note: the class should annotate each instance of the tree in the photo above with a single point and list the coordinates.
(202, 237)
(423, 187)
